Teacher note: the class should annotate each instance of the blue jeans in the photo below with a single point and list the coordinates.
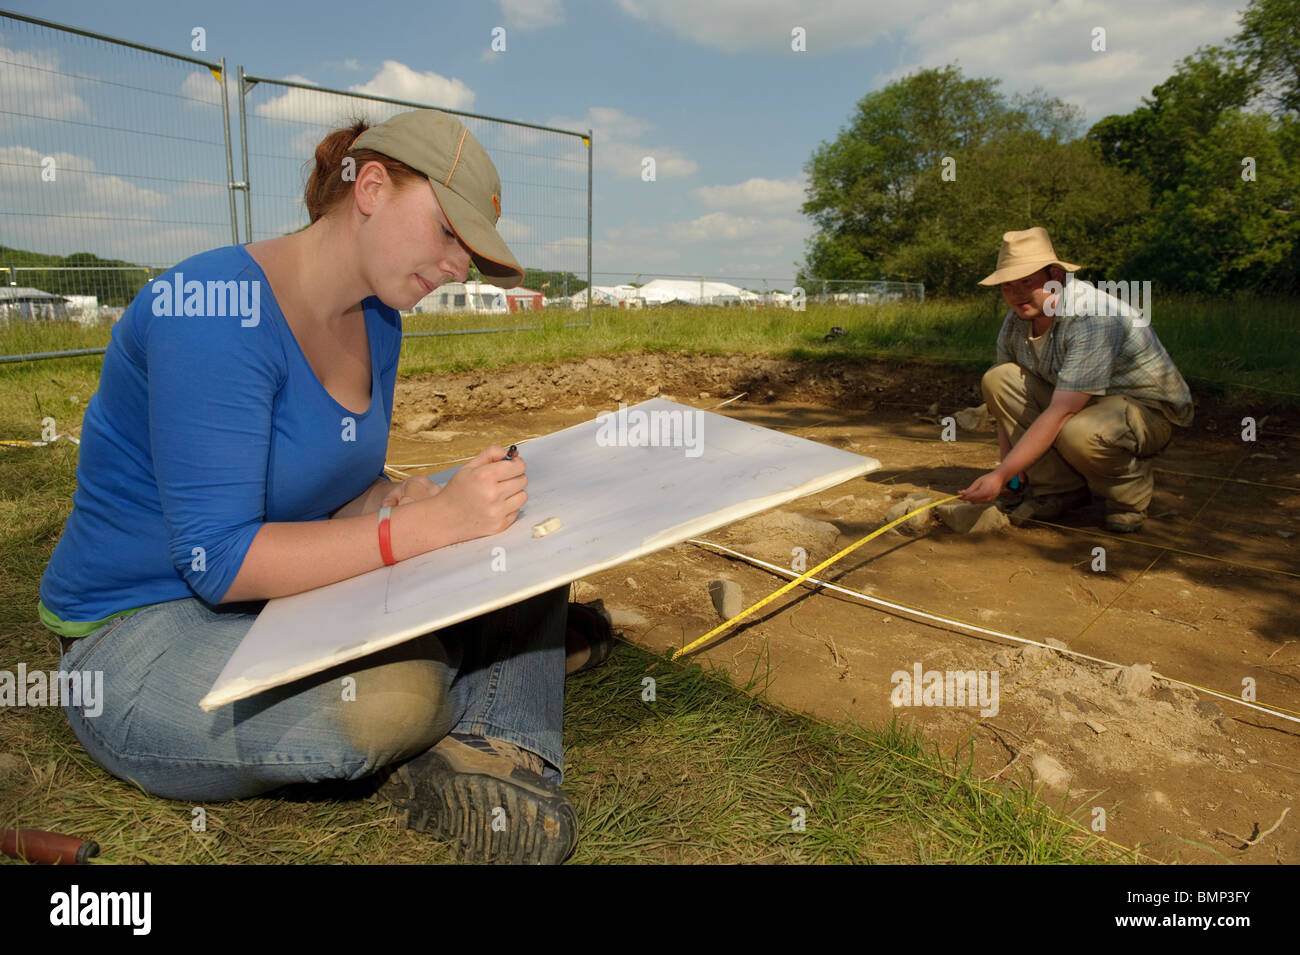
(499, 675)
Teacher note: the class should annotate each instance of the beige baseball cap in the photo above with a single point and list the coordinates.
(1024, 253)
(463, 179)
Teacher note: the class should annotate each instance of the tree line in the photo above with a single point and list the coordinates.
(1195, 190)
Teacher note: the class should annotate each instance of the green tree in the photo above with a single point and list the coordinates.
(861, 186)
(1089, 208)
(1228, 224)
(1154, 139)
(1222, 183)
(935, 167)
(1269, 41)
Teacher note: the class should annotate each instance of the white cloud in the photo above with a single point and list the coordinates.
(620, 144)
(351, 64)
(36, 80)
(1028, 44)
(1025, 43)
(86, 210)
(512, 230)
(323, 111)
(293, 103)
(567, 253)
(755, 195)
(532, 14)
(768, 243)
(723, 226)
(765, 25)
(78, 186)
(394, 80)
(202, 87)
(399, 81)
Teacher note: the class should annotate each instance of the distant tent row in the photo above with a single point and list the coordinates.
(479, 297)
(679, 291)
(18, 304)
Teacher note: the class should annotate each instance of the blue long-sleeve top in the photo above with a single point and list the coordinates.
(208, 422)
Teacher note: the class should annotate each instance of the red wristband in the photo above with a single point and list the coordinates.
(385, 536)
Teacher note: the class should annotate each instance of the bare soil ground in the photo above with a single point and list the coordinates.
(1181, 774)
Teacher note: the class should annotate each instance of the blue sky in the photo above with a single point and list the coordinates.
(712, 91)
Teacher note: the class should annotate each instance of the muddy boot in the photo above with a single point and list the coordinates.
(1125, 522)
(489, 797)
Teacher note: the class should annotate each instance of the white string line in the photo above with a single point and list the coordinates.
(967, 626)
(22, 443)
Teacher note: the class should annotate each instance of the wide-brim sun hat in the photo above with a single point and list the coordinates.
(463, 178)
(1024, 253)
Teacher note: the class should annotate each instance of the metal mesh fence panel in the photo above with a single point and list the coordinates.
(544, 184)
(115, 161)
(649, 290)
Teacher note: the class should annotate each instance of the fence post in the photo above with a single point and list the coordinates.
(231, 185)
(244, 87)
(589, 149)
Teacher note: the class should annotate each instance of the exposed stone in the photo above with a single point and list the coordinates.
(1134, 681)
(1002, 658)
(774, 535)
(422, 422)
(914, 526)
(726, 597)
(967, 518)
(620, 617)
(1050, 772)
(1031, 655)
(974, 419)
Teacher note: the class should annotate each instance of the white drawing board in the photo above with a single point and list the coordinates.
(615, 503)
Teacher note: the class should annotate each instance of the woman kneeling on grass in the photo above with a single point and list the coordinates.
(235, 456)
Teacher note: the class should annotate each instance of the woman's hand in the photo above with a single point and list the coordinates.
(484, 496)
(410, 490)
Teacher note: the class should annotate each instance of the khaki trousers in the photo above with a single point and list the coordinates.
(1107, 446)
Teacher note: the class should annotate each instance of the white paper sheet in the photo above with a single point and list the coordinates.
(615, 503)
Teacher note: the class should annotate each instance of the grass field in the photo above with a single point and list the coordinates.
(709, 771)
(1217, 343)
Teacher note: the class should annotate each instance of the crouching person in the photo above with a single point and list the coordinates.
(1083, 393)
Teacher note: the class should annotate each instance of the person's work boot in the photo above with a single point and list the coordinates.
(1125, 522)
(1049, 507)
(489, 797)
